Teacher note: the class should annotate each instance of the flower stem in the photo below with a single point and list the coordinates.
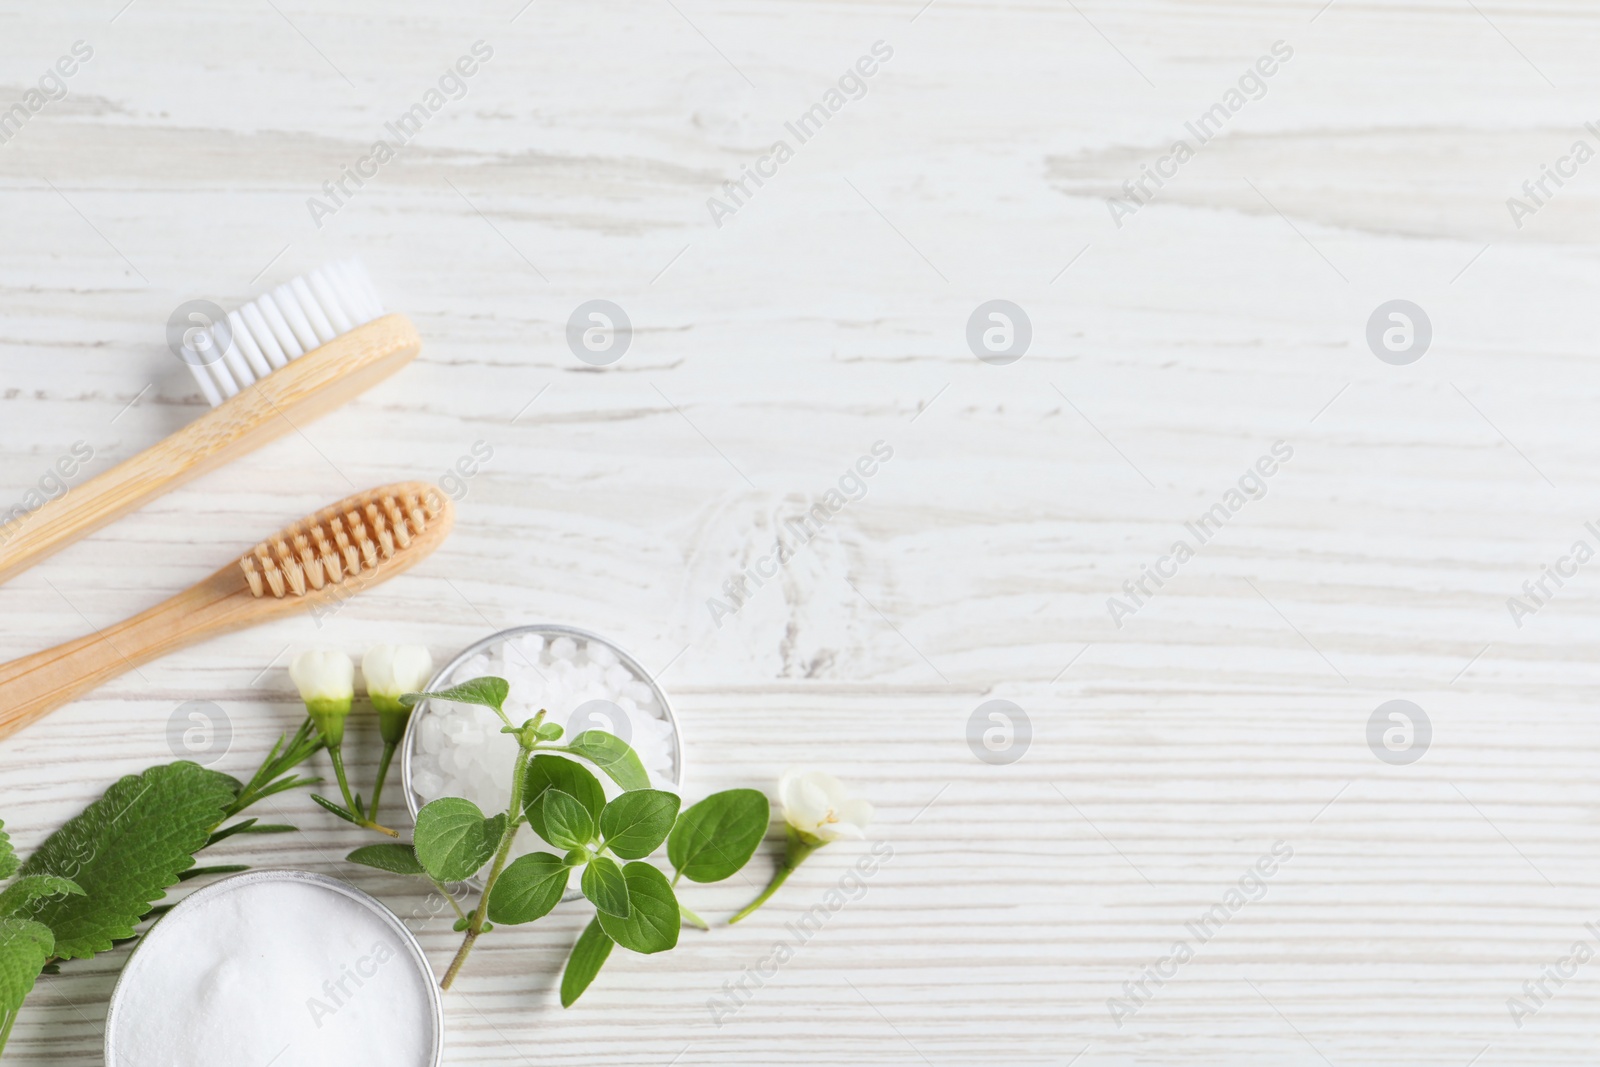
(800, 845)
(360, 818)
(481, 912)
(784, 871)
(383, 772)
(337, 757)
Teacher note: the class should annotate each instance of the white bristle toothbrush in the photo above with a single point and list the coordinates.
(292, 355)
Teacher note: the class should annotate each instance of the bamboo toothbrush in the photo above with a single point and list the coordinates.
(291, 356)
(319, 562)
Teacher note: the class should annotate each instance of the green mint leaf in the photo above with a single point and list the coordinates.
(635, 824)
(123, 851)
(453, 839)
(24, 891)
(588, 956)
(337, 809)
(613, 755)
(490, 692)
(605, 886)
(557, 772)
(8, 858)
(394, 858)
(717, 836)
(549, 732)
(654, 920)
(24, 947)
(527, 889)
(567, 823)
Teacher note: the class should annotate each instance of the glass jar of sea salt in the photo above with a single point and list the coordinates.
(581, 680)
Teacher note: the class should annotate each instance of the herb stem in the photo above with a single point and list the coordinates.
(5, 1028)
(443, 892)
(692, 919)
(481, 912)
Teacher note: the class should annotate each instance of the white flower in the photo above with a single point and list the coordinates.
(392, 670)
(818, 804)
(324, 676)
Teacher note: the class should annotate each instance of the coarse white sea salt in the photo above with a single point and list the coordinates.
(459, 751)
(273, 970)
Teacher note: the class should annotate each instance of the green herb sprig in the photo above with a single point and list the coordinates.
(607, 844)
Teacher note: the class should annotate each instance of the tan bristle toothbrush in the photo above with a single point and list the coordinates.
(320, 561)
(291, 355)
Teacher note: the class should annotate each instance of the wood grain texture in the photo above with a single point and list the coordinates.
(827, 314)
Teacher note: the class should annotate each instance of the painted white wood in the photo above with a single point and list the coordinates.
(827, 314)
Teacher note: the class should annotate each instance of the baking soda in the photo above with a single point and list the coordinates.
(459, 751)
(273, 971)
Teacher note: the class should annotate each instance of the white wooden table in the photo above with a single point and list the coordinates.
(829, 312)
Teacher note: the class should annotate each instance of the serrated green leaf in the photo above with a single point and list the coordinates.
(613, 756)
(8, 858)
(635, 824)
(124, 850)
(453, 839)
(221, 868)
(605, 886)
(489, 692)
(567, 823)
(24, 947)
(394, 858)
(25, 891)
(588, 956)
(557, 772)
(717, 837)
(528, 888)
(653, 920)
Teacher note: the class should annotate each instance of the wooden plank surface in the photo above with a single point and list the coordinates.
(829, 312)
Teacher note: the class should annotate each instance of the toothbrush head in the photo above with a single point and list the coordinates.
(283, 325)
(362, 539)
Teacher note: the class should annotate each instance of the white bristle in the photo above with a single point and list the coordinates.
(286, 323)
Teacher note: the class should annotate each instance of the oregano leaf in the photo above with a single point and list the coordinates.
(453, 839)
(490, 692)
(123, 851)
(635, 824)
(587, 957)
(613, 756)
(603, 883)
(557, 772)
(717, 837)
(391, 857)
(528, 888)
(567, 823)
(653, 919)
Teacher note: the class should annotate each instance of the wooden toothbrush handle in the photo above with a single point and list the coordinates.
(35, 685)
(308, 387)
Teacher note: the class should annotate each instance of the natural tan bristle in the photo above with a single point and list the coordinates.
(352, 539)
